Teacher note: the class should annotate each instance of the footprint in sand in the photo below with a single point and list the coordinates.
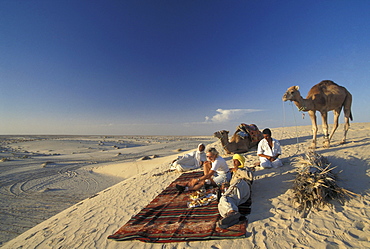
(72, 210)
(341, 236)
(332, 245)
(46, 232)
(55, 241)
(358, 235)
(31, 235)
(303, 240)
(359, 225)
(324, 232)
(157, 174)
(93, 196)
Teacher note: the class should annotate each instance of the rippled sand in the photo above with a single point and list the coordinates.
(273, 222)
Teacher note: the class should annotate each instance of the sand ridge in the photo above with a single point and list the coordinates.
(273, 222)
(43, 175)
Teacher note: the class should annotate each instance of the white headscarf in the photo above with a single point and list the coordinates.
(200, 155)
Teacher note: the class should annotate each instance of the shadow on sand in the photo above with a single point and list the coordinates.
(271, 183)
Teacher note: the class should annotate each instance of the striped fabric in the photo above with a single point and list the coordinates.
(168, 219)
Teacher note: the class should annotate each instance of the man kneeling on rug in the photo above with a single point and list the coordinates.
(238, 193)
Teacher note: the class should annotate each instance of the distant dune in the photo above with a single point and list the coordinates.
(73, 192)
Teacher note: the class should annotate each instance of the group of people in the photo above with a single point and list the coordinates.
(235, 183)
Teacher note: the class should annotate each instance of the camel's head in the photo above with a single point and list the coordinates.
(292, 93)
(221, 134)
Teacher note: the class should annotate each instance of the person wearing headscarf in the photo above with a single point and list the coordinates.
(239, 158)
(236, 193)
(192, 160)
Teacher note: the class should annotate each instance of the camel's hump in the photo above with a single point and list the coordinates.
(326, 87)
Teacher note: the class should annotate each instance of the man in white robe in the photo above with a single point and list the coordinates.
(269, 150)
(192, 160)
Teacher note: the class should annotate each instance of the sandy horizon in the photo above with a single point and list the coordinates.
(74, 191)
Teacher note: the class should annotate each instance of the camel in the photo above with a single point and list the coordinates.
(323, 97)
(236, 144)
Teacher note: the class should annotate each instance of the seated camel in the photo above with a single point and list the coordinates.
(237, 144)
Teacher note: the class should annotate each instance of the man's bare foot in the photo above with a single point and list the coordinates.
(180, 188)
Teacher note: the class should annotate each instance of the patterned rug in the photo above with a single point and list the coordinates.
(168, 219)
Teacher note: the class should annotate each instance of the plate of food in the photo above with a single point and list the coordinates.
(201, 200)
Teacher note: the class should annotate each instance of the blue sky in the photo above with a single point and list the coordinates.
(174, 67)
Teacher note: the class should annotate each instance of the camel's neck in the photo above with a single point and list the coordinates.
(302, 104)
(225, 144)
(224, 141)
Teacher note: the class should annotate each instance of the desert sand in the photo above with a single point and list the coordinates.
(73, 192)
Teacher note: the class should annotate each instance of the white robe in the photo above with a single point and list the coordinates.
(236, 194)
(189, 161)
(264, 148)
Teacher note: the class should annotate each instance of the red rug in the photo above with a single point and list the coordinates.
(168, 219)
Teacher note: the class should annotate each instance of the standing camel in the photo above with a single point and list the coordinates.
(323, 97)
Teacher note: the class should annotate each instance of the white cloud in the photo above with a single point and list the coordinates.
(229, 115)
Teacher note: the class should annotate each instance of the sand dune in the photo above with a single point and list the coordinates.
(41, 176)
(273, 222)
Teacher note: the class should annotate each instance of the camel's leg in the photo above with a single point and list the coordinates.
(227, 150)
(347, 115)
(230, 148)
(314, 129)
(325, 129)
(346, 127)
(336, 121)
(226, 146)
